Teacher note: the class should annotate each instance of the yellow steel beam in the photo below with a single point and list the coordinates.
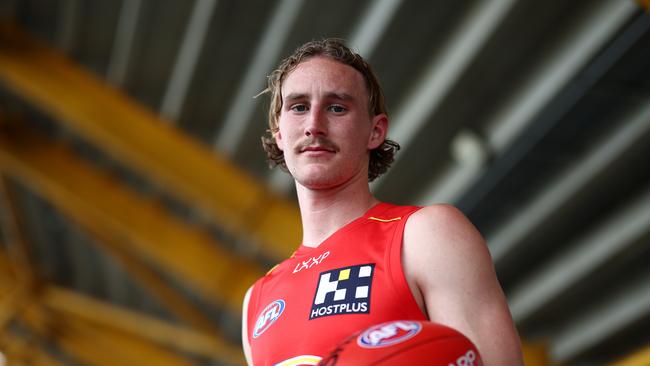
(13, 291)
(98, 335)
(12, 229)
(535, 354)
(93, 347)
(29, 314)
(639, 358)
(144, 228)
(139, 138)
(110, 318)
(7, 273)
(21, 352)
(132, 351)
(10, 303)
(159, 288)
(162, 290)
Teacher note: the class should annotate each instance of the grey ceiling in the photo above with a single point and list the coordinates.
(532, 116)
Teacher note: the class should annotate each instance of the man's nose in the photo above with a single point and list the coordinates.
(316, 124)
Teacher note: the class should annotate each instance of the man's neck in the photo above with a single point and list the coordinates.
(325, 211)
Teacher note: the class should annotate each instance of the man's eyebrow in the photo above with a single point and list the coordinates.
(295, 96)
(340, 96)
(330, 95)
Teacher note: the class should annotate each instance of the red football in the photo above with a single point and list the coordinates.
(405, 342)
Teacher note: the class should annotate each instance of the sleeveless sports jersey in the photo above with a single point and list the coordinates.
(310, 302)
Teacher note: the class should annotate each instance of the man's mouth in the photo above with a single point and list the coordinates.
(317, 148)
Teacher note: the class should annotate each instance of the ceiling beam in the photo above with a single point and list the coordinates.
(132, 350)
(68, 25)
(92, 330)
(138, 138)
(187, 58)
(582, 259)
(36, 322)
(8, 276)
(604, 319)
(513, 232)
(516, 117)
(443, 71)
(21, 352)
(589, 36)
(12, 228)
(535, 354)
(10, 303)
(63, 317)
(174, 301)
(639, 357)
(146, 229)
(645, 4)
(267, 53)
(109, 317)
(93, 346)
(123, 42)
(372, 26)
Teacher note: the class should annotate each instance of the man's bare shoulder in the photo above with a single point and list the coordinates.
(442, 223)
(437, 214)
(440, 239)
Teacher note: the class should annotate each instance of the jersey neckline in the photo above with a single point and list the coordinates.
(372, 211)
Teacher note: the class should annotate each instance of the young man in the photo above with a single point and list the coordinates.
(361, 261)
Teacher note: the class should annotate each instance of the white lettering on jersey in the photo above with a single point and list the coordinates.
(313, 261)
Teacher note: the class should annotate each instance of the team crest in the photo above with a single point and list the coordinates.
(387, 334)
(269, 315)
(343, 291)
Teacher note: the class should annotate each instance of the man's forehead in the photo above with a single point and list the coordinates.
(329, 77)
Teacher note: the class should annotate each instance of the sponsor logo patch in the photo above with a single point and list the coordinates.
(343, 291)
(269, 315)
(387, 334)
(313, 261)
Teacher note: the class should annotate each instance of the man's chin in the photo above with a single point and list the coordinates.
(317, 180)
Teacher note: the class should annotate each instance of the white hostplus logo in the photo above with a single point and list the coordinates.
(313, 261)
(343, 291)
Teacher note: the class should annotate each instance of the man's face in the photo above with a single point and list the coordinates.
(325, 128)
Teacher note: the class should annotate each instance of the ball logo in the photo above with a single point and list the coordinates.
(387, 334)
(269, 315)
(466, 360)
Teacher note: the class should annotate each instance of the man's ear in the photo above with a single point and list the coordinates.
(278, 140)
(378, 132)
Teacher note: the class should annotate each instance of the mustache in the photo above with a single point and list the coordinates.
(318, 141)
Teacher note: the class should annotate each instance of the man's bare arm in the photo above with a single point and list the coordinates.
(450, 270)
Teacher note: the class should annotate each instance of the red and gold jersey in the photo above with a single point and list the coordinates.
(310, 302)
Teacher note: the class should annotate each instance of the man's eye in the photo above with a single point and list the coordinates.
(337, 109)
(299, 108)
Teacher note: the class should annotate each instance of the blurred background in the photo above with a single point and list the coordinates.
(137, 207)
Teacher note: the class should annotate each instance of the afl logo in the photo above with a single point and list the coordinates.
(269, 315)
(387, 334)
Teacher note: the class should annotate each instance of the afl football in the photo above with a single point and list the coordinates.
(405, 342)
